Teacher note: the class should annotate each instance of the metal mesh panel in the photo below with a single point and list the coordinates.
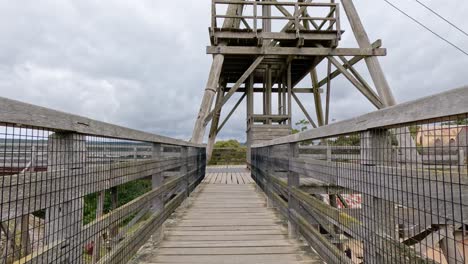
(386, 195)
(75, 198)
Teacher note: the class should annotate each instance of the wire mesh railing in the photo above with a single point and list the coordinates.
(75, 190)
(387, 187)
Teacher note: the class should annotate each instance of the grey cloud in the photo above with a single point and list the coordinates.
(142, 64)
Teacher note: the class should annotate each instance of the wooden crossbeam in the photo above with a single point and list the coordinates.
(230, 113)
(304, 110)
(369, 94)
(287, 51)
(234, 88)
(351, 62)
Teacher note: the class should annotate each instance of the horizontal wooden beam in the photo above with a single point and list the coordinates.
(22, 114)
(286, 51)
(450, 103)
(276, 90)
(229, 2)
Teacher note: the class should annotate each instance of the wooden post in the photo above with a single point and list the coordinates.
(378, 215)
(98, 237)
(135, 153)
(461, 158)
(25, 240)
(268, 184)
(66, 152)
(289, 84)
(268, 93)
(114, 228)
(157, 205)
(250, 112)
(293, 181)
(183, 173)
(266, 21)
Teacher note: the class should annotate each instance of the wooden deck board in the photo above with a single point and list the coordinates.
(228, 174)
(227, 222)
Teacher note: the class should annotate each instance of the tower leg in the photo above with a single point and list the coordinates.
(373, 64)
(214, 124)
(210, 91)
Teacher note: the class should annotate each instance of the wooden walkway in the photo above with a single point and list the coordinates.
(227, 222)
(228, 175)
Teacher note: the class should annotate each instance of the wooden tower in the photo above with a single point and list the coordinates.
(268, 47)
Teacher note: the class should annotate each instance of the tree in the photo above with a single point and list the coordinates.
(232, 143)
(302, 126)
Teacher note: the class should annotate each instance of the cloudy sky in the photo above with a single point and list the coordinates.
(142, 64)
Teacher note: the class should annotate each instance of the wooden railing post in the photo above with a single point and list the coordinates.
(269, 185)
(293, 181)
(98, 237)
(64, 221)
(157, 205)
(377, 214)
(183, 172)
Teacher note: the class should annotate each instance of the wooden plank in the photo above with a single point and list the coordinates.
(286, 51)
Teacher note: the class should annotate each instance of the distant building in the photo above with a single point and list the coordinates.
(443, 136)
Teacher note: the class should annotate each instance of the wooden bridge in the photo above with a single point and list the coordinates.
(390, 186)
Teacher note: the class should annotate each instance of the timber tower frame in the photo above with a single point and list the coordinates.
(267, 47)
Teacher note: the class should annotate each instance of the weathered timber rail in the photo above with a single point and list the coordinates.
(388, 203)
(75, 204)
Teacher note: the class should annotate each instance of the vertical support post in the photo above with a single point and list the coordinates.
(114, 228)
(327, 104)
(135, 153)
(378, 215)
(157, 205)
(268, 184)
(268, 93)
(293, 181)
(250, 112)
(461, 158)
(255, 22)
(213, 15)
(289, 81)
(66, 156)
(184, 172)
(97, 238)
(266, 21)
(25, 240)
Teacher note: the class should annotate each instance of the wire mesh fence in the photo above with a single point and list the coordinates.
(396, 194)
(78, 198)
